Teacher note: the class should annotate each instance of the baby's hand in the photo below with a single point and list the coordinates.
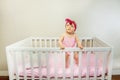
(62, 47)
(80, 46)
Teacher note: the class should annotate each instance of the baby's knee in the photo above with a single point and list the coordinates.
(76, 57)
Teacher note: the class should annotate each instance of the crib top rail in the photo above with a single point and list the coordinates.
(97, 49)
(51, 43)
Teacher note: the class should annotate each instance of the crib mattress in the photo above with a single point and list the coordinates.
(68, 72)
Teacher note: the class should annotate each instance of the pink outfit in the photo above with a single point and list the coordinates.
(69, 42)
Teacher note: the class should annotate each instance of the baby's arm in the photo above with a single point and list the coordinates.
(78, 42)
(60, 42)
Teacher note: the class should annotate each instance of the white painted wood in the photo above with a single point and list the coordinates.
(45, 45)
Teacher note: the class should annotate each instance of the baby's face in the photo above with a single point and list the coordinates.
(70, 28)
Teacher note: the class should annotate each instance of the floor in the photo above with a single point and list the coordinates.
(115, 77)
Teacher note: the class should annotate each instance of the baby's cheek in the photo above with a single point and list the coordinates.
(73, 30)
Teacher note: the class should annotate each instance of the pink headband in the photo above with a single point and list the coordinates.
(71, 22)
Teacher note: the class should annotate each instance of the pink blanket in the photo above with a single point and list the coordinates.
(37, 71)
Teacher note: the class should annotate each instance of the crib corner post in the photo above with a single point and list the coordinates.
(110, 64)
(10, 73)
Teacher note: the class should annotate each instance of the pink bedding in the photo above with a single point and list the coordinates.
(60, 72)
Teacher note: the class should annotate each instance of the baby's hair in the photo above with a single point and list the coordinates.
(71, 22)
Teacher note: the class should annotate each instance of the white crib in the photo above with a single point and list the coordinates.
(40, 58)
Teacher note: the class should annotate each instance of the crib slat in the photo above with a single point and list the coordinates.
(64, 65)
(45, 43)
(96, 66)
(50, 43)
(55, 42)
(23, 65)
(88, 65)
(48, 72)
(90, 42)
(55, 64)
(71, 64)
(34, 43)
(85, 42)
(80, 65)
(40, 42)
(39, 64)
(31, 64)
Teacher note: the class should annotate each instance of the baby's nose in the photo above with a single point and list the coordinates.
(69, 27)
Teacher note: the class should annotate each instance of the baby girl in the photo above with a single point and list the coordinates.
(70, 39)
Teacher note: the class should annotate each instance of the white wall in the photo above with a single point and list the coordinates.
(20, 19)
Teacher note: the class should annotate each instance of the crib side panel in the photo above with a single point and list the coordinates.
(45, 64)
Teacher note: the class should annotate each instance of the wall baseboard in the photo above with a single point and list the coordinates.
(115, 72)
(3, 73)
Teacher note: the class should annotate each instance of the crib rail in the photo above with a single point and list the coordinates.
(97, 49)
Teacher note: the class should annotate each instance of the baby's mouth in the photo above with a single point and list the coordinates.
(68, 29)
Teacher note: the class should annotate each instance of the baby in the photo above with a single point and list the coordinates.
(70, 39)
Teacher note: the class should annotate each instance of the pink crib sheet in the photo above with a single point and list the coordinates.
(37, 71)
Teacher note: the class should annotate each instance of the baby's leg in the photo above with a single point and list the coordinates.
(67, 60)
(76, 57)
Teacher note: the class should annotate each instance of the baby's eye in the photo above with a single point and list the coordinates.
(72, 26)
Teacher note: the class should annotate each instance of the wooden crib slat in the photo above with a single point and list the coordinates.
(55, 63)
(34, 43)
(31, 64)
(50, 43)
(64, 63)
(80, 65)
(54, 42)
(39, 64)
(91, 43)
(47, 62)
(23, 65)
(37, 42)
(45, 43)
(85, 44)
(96, 66)
(71, 64)
(88, 64)
(40, 42)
